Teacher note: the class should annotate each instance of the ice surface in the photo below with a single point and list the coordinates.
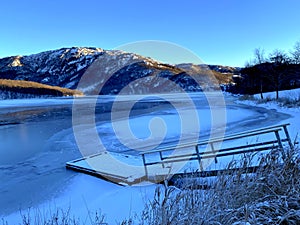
(84, 193)
(33, 102)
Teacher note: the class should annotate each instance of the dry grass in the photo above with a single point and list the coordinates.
(204, 73)
(163, 66)
(34, 88)
(270, 196)
(223, 78)
(58, 217)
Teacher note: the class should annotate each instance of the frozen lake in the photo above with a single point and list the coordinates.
(37, 136)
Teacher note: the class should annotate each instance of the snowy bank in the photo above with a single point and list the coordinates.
(292, 109)
(293, 94)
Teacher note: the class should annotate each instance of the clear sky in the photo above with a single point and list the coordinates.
(218, 31)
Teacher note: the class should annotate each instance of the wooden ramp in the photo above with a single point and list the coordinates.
(160, 166)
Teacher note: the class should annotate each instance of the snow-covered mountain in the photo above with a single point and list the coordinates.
(57, 67)
(104, 72)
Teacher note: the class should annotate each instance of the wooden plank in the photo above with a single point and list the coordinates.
(113, 178)
(213, 173)
(207, 174)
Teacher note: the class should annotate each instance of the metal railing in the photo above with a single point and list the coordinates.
(214, 152)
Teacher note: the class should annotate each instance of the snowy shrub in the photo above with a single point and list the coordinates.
(288, 102)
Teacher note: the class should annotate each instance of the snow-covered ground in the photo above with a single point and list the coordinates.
(293, 94)
(294, 112)
(84, 194)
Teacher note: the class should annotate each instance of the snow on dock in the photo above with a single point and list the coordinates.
(105, 165)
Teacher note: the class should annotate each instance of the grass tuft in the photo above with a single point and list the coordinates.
(57, 216)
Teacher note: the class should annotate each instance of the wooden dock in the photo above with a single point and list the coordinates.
(159, 165)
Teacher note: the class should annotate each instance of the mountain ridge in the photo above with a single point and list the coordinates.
(66, 66)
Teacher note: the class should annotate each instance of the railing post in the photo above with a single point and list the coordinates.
(288, 137)
(145, 165)
(213, 150)
(198, 157)
(280, 144)
(161, 158)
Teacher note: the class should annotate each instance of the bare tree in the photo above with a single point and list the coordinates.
(259, 55)
(279, 69)
(259, 58)
(279, 57)
(296, 53)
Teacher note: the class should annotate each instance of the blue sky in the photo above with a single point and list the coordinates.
(218, 31)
